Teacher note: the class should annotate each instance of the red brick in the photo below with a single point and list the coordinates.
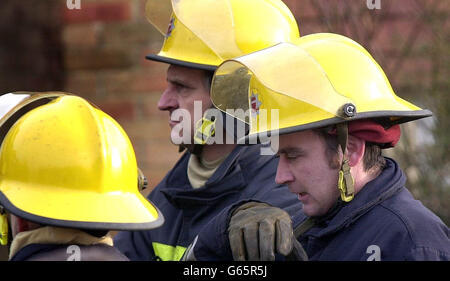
(149, 82)
(80, 58)
(301, 10)
(82, 83)
(392, 41)
(150, 128)
(98, 11)
(155, 154)
(310, 27)
(132, 81)
(160, 158)
(444, 7)
(150, 107)
(80, 35)
(128, 33)
(119, 110)
(154, 49)
(392, 35)
(141, 8)
(404, 7)
(413, 70)
(159, 154)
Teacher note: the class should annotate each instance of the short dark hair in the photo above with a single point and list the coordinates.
(208, 79)
(373, 159)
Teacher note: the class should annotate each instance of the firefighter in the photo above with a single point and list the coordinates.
(210, 175)
(68, 175)
(337, 112)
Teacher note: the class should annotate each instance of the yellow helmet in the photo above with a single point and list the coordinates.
(204, 33)
(66, 163)
(314, 81)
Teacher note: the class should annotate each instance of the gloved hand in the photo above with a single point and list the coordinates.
(257, 231)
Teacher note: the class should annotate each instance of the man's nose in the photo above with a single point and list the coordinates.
(284, 174)
(167, 101)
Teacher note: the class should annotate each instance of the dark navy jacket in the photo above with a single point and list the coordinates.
(382, 222)
(244, 174)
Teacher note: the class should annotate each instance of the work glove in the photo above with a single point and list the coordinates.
(257, 231)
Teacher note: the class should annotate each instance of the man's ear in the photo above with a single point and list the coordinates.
(20, 225)
(355, 150)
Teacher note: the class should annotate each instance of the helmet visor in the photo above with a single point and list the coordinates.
(158, 13)
(9, 101)
(214, 26)
(283, 72)
(12, 103)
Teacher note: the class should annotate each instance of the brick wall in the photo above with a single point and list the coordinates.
(30, 50)
(30, 46)
(105, 45)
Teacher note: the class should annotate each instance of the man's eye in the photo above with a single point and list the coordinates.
(293, 156)
(182, 89)
(179, 86)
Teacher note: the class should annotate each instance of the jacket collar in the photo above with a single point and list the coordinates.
(228, 178)
(55, 235)
(389, 182)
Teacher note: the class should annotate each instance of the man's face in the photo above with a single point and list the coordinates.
(304, 167)
(185, 86)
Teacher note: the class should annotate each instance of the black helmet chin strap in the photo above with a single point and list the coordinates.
(346, 183)
(195, 149)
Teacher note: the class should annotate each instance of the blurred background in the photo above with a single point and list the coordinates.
(98, 52)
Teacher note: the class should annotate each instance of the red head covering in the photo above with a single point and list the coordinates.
(371, 131)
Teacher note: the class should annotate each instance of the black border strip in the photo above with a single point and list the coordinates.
(207, 67)
(226, 270)
(4, 201)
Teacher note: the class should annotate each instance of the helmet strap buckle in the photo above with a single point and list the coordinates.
(346, 183)
(3, 227)
(205, 129)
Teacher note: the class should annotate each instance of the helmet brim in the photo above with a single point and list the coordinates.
(106, 220)
(167, 60)
(385, 118)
